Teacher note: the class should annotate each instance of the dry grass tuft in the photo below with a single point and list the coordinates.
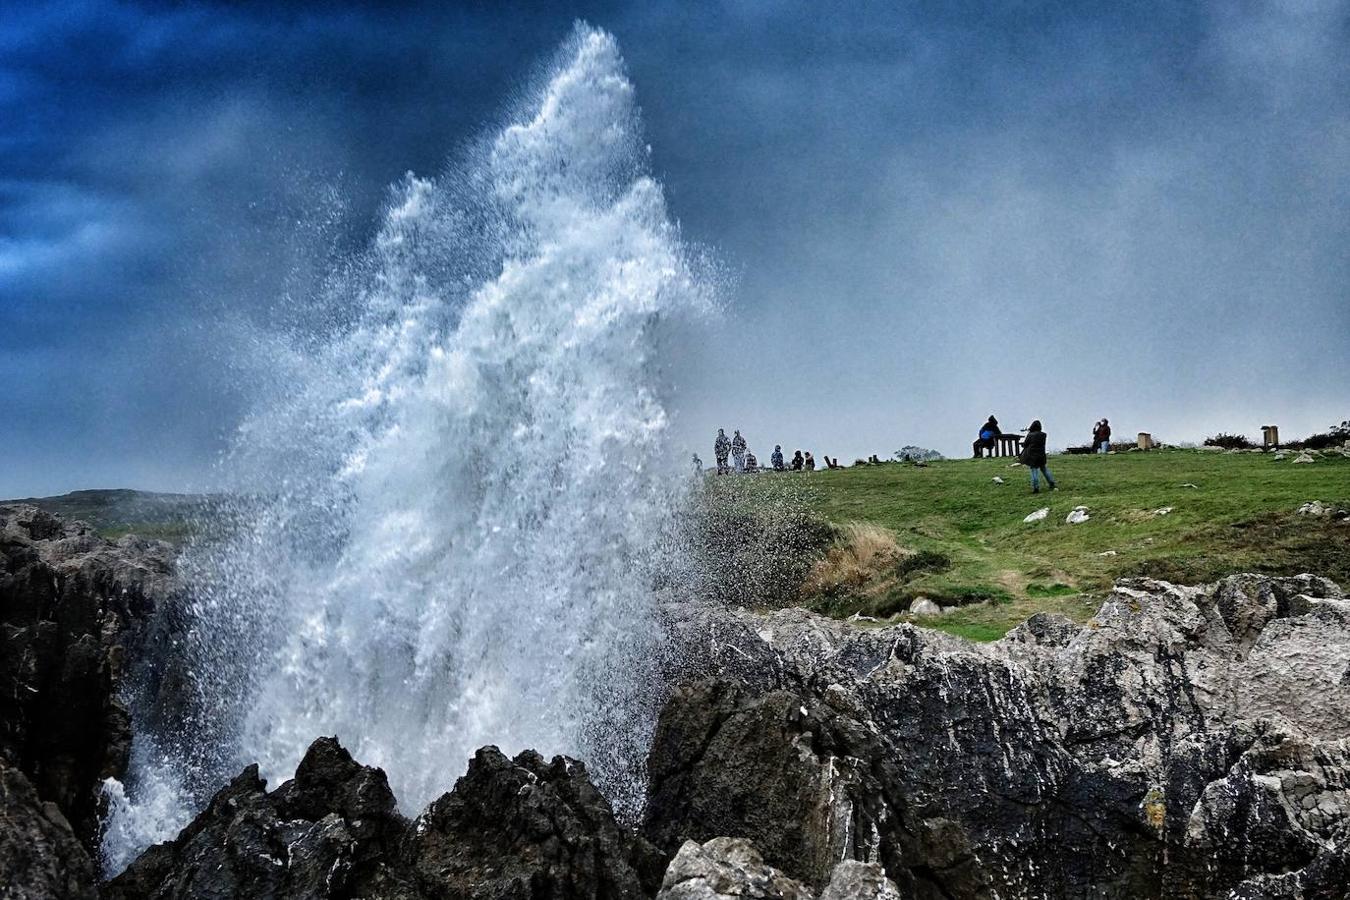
(864, 554)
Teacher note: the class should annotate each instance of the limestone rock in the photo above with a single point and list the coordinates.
(1187, 741)
(922, 606)
(1304, 457)
(726, 869)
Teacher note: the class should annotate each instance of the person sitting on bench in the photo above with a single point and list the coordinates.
(988, 439)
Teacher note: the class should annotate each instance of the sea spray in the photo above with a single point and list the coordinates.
(455, 492)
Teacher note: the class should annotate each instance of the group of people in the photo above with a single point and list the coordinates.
(734, 454)
(1033, 454)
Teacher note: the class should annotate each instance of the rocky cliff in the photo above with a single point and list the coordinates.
(1185, 742)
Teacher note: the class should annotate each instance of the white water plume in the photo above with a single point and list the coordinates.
(466, 478)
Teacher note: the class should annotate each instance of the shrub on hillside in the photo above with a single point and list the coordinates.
(1334, 436)
(1229, 441)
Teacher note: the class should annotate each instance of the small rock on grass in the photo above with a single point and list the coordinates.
(1304, 458)
(998, 480)
(1163, 510)
(1107, 553)
(1038, 515)
(922, 606)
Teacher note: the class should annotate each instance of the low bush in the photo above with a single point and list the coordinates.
(1334, 436)
(1229, 441)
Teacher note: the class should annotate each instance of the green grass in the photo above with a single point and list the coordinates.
(1239, 516)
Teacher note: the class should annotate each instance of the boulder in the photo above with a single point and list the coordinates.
(922, 606)
(732, 869)
(726, 869)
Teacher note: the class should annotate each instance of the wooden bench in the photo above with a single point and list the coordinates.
(1004, 445)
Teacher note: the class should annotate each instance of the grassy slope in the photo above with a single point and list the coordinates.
(1239, 517)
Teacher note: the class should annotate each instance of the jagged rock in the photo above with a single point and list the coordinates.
(330, 831)
(1304, 457)
(725, 869)
(40, 857)
(73, 608)
(853, 880)
(1185, 742)
(525, 828)
(732, 869)
(510, 830)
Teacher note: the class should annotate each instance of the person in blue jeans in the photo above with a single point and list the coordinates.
(1034, 458)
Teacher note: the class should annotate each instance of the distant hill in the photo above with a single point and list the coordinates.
(113, 513)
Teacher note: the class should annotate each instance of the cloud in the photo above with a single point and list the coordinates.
(934, 210)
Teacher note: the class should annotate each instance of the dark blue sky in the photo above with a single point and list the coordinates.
(934, 210)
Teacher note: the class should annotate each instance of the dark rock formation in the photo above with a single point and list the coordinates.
(510, 830)
(40, 858)
(1186, 742)
(72, 608)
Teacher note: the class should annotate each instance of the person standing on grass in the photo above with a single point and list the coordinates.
(777, 458)
(1034, 458)
(738, 452)
(1103, 437)
(721, 447)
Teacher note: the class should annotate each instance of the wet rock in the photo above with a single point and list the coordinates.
(40, 857)
(524, 828)
(521, 828)
(331, 831)
(74, 608)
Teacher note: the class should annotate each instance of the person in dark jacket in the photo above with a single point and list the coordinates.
(1101, 438)
(777, 458)
(721, 449)
(1033, 457)
(797, 461)
(989, 435)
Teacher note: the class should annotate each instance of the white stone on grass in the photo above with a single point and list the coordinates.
(1038, 514)
(1078, 516)
(922, 606)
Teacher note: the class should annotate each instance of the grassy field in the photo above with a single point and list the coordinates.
(958, 538)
